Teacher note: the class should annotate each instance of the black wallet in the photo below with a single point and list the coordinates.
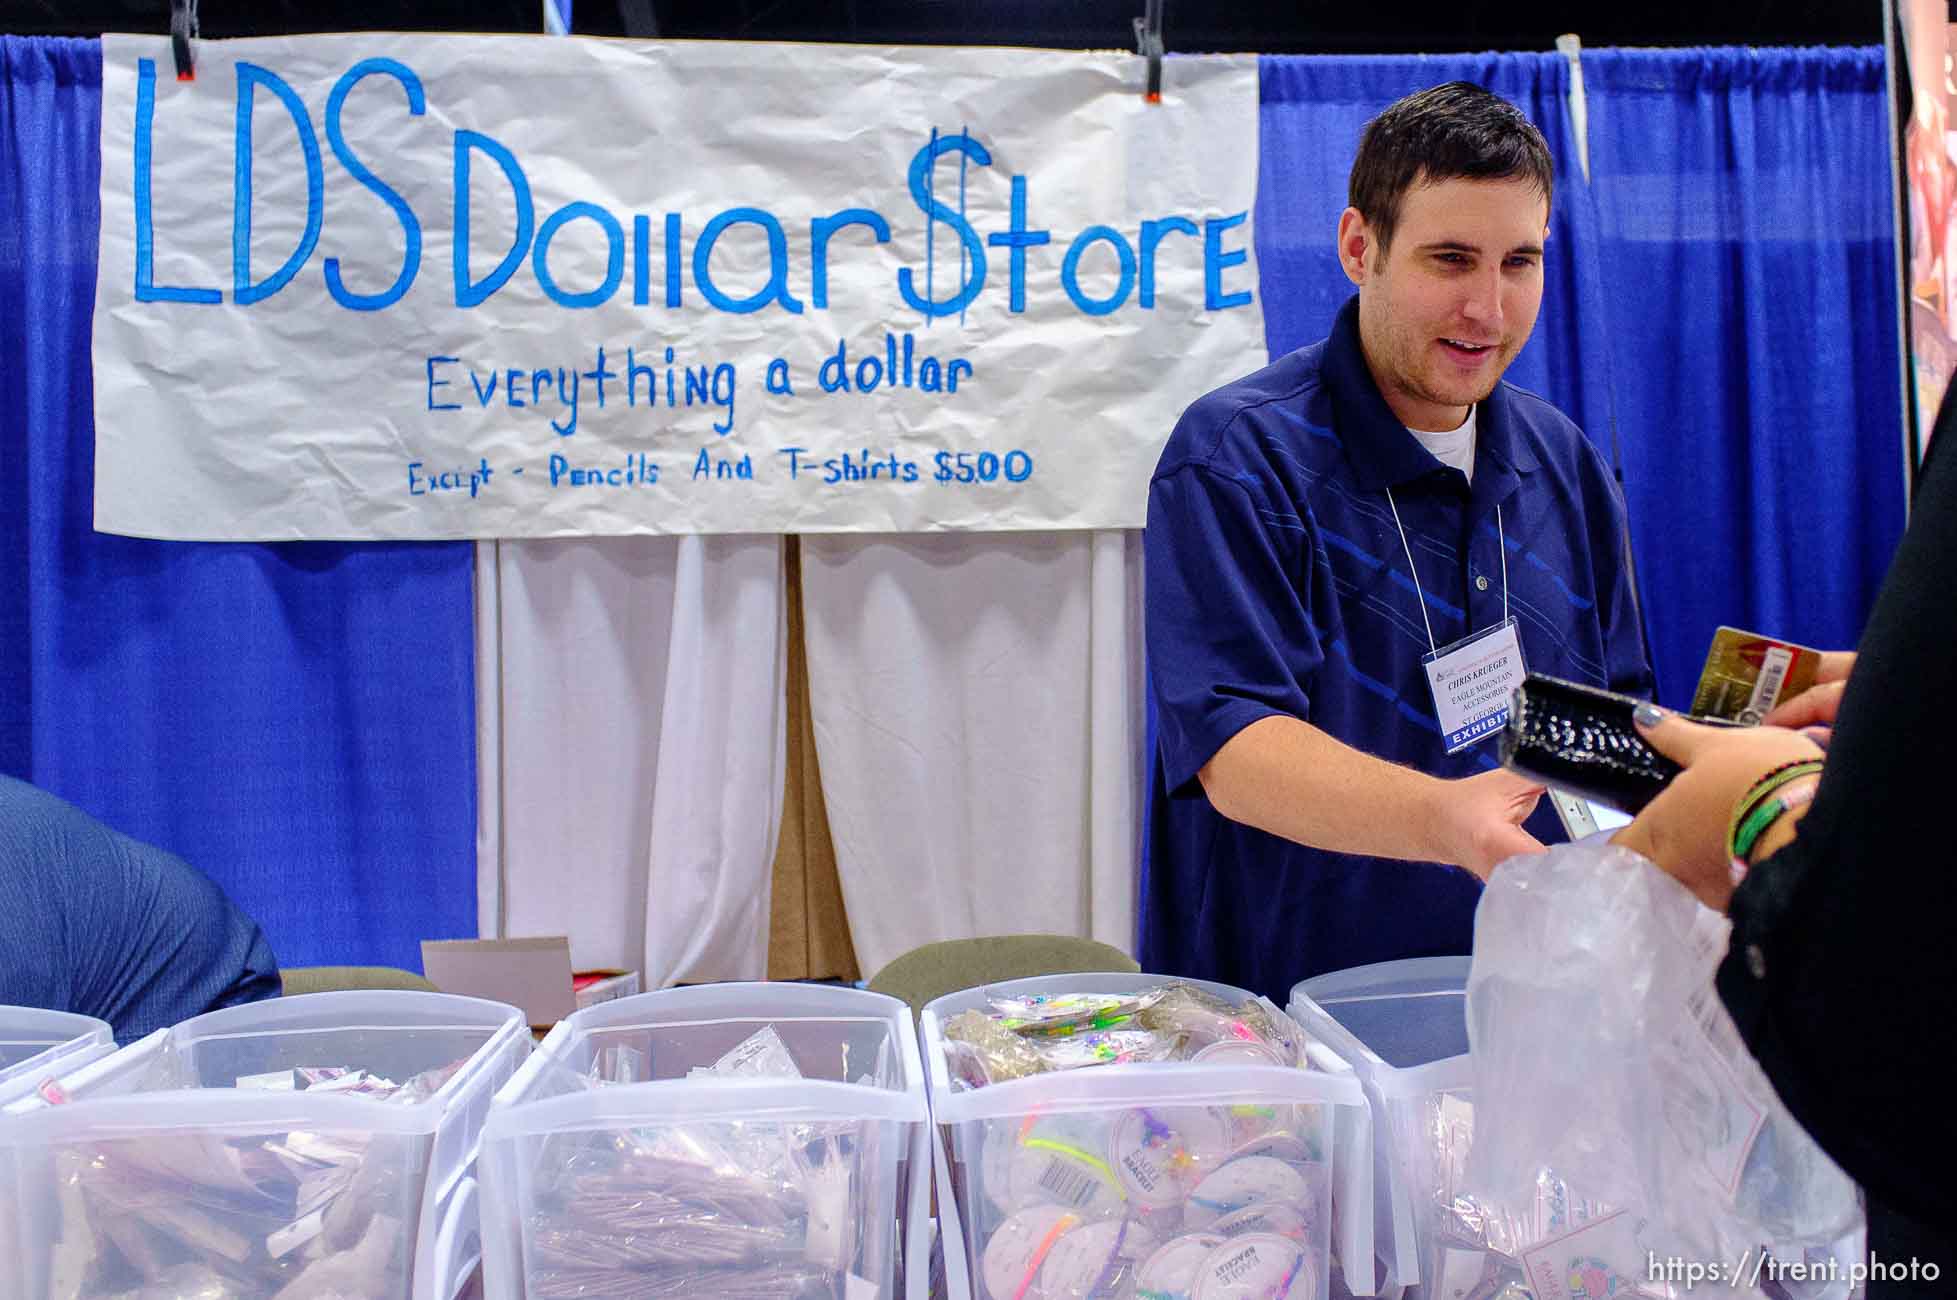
(1581, 739)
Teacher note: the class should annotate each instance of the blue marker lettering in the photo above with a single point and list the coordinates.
(777, 287)
(434, 383)
(1070, 270)
(474, 294)
(1018, 239)
(484, 396)
(723, 395)
(641, 258)
(614, 254)
(250, 77)
(1215, 261)
(411, 258)
(672, 259)
(820, 230)
(598, 374)
(974, 248)
(147, 290)
(569, 397)
(1152, 232)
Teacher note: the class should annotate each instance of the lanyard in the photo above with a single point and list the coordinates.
(1501, 541)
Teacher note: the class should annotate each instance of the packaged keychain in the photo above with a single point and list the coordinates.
(1049, 1015)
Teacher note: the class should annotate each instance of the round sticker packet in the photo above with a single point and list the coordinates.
(1253, 1122)
(1162, 1224)
(1274, 1217)
(1140, 1241)
(1020, 1245)
(1249, 1181)
(1239, 1051)
(1051, 1160)
(1159, 1152)
(1050, 1172)
(1278, 1145)
(1257, 1266)
(1170, 1273)
(1084, 1261)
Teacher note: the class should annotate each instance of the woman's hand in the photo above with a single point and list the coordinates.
(1684, 829)
(1816, 706)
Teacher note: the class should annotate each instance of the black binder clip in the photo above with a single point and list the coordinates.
(1148, 42)
(183, 30)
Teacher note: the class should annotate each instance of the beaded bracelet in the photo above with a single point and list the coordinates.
(1760, 791)
(1765, 814)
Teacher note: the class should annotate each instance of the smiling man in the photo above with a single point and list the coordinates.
(1351, 555)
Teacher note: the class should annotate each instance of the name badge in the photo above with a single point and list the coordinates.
(1472, 681)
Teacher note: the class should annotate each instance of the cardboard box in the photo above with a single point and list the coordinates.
(595, 986)
(532, 974)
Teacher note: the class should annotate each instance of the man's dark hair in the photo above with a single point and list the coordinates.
(1447, 132)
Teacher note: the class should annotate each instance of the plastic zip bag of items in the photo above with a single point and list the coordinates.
(726, 1208)
(1526, 1247)
(297, 1215)
(1035, 1034)
(1601, 1051)
(1178, 1200)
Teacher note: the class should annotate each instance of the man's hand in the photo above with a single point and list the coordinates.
(1481, 818)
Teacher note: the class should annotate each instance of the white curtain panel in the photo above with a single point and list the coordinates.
(978, 716)
(631, 745)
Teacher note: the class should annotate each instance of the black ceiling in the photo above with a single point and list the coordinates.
(1194, 25)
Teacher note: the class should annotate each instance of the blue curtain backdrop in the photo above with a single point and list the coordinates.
(1746, 205)
(296, 720)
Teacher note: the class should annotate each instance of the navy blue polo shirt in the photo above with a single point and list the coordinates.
(1276, 583)
(94, 922)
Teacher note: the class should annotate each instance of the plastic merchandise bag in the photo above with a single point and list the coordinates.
(726, 1208)
(1107, 1047)
(296, 1215)
(1602, 1051)
(762, 1055)
(1045, 1015)
(1512, 1251)
(980, 1050)
(1200, 1019)
(1024, 1036)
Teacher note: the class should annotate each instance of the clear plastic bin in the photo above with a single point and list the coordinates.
(220, 1157)
(36, 1044)
(1404, 1026)
(796, 1166)
(1209, 1179)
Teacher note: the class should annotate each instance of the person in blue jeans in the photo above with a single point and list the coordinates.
(97, 923)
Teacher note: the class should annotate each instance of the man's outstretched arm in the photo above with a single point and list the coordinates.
(1287, 777)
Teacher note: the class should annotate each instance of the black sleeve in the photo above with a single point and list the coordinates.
(1842, 966)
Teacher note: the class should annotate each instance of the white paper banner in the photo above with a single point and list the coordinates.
(387, 286)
